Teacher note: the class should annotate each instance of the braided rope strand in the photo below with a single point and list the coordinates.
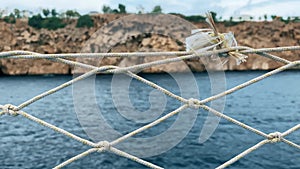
(105, 146)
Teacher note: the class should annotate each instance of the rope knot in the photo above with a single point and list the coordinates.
(104, 146)
(275, 137)
(9, 109)
(193, 103)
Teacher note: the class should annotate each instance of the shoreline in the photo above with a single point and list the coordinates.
(145, 73)
(20, 36)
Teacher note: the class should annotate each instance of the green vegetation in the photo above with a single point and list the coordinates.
(46, 12)
(108, 9)
(54, 13)
(157, 9)
(35, 21)
(273, 17)
(195, 18)
(231, 23)
(286, 21)
(17, 13)
(122, 8)
(51, 23)
(85, 21)
(51, 19)
(266, 17)
(72, 14)
(10, 18)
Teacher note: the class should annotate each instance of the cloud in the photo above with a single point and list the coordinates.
(80, 5)
(258, 7)
(167, 6)
(229, 3)
(283, 8)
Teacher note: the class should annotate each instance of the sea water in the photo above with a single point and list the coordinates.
(270, 105)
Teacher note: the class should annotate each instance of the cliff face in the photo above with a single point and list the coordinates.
(20, 36)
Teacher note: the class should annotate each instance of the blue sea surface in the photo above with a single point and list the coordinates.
(270, 105)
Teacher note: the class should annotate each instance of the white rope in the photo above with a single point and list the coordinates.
(105, 146)
(9, 110)
(272, 138)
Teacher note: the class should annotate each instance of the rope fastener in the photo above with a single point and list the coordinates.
(9, 109)
(193, 103)
(275, 137)
(103, 146)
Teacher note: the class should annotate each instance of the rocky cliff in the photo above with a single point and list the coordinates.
(136, 34)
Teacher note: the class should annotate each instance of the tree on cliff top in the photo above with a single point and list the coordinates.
(54, 13)
(10, 19)
(35, 21)
(72, 13)
(273, 17)
(17, 13)
(122, 8)
(85, 21)
(157, 9)
(51, 23)
(46, 12)
(106, 9)
(266, 17)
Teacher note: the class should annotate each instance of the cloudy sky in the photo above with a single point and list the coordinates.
(224, 8)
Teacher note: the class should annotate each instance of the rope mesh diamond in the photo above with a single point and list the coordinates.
(105, 146)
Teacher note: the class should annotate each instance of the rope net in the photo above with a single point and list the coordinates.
(202, 43)
(106, 146)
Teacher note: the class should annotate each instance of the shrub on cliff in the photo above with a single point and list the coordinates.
(52, 23)
(85, 21)
(122, 8)
(157, 9)
(72, 14)
(108, 9)
(195, 18)
(35, 21)
(10, 18)
(231, 23)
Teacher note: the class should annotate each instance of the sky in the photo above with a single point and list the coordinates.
(224, 8)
